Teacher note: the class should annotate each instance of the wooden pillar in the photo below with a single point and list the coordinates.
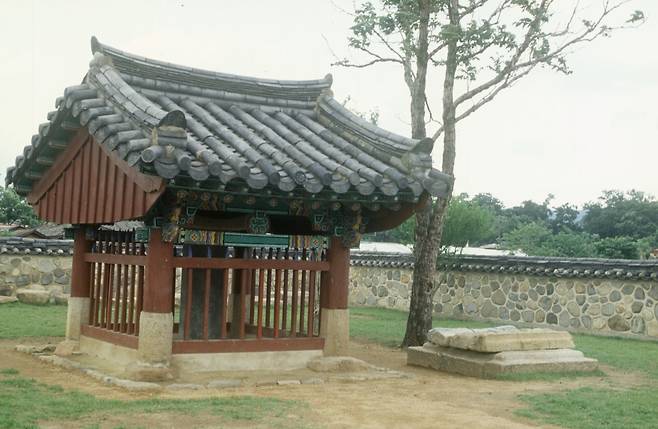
(335, 282)
(334, 316)
(77, 313)
(159, 276)
(156, 322)
(80, 270)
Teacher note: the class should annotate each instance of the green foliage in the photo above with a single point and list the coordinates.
(622, 214)
(466, 222)
(27, 403)
(617, 248)
(14, 209)
(19, 320)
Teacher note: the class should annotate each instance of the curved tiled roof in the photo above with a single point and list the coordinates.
(528, 265)
(196, 126)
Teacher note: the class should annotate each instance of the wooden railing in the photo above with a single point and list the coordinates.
(116, 284)
(256, 296)
(231, 299)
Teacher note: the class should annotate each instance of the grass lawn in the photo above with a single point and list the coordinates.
(27, 402)
(19, 320)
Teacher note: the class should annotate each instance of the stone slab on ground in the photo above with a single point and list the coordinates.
(488, 365)
(33, 297)
(7, 299)
(500, 339)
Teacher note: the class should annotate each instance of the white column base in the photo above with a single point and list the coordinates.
(154, 348)
(77, 315)
(335, 329)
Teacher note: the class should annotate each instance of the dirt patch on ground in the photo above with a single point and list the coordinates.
(425, 399)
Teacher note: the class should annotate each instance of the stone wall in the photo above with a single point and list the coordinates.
(35, 271)
(598, 296)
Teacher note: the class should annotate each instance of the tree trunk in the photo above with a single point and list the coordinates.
(429, 221)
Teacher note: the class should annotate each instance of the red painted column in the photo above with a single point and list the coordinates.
(335, 282)
(334, 315)
(80, 270)
(159, 275)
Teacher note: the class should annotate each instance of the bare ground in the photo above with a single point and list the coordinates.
(427, 399)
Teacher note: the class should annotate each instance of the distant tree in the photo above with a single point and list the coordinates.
(617, 248)
(488, 201)
(530, 238)
(537, 239)
(466, 222)
(15, 210)
(622, 214)
(564, 218)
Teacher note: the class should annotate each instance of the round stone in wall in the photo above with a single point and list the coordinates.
(638, 326)
(639, 293)
(618, 323)
(636, 307)
(551, 318)
(615, 296)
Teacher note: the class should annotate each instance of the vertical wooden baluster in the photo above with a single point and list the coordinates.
(92, 293)
(284, 322)
(117, 292)
(268, 293)
(311, 304)
(131, 289)
(261, 284)
(107, 277)
(139, 290)
(224, 315)
(244, 279)
(252, 291)
(277, 299)
(302, 296)
(206, 304)
(293, 309)
(188, 304)
(99, 279)
(124, 288)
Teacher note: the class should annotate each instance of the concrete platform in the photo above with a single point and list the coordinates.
(500, 339)
(488, 365)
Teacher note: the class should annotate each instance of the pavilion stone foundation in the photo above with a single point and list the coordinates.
(617, 298)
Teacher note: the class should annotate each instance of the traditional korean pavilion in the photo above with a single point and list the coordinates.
(245, 194)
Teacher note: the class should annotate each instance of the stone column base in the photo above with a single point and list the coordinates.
(155, 338)
(154, 348)
(335, 329)
(76, 315)
(67, 348)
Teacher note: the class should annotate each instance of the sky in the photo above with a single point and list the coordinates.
(570, 136)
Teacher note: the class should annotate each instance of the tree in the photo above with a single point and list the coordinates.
(466, 222)
(632, 214)
(14, 209)
(617, 248)
(488, 44)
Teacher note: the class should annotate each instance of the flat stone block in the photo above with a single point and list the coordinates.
(500, 339)
(487, 365)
